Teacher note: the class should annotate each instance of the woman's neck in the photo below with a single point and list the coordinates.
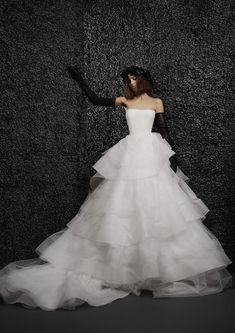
(141, 97)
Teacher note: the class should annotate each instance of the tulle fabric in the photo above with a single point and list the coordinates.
(135, 157)
(140, 227)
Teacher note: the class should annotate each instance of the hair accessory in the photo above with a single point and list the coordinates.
(135, 70)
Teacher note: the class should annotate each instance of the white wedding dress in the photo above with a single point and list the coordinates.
(140, 227)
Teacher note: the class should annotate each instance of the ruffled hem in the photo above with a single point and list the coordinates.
(35, 283)
(206, 283)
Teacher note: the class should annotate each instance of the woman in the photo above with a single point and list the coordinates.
(138, 83)
(139, 228)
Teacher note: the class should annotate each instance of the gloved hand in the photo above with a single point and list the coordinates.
(173, 161)
(101, 101)
(162, 129)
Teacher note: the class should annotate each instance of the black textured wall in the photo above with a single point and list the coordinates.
(51, 135)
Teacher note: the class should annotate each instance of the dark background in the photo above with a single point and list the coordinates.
(51, 135)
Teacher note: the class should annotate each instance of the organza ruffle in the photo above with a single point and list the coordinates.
(169, 260)
(206, 283)
(36, 283)
(135, 156)
(157, 206)
(72, 270)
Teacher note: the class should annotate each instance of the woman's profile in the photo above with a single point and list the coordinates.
(139, 228)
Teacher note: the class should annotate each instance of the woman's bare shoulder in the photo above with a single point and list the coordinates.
(159, 107)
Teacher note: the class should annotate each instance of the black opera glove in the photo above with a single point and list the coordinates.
(162, 129)
(101, 101)
(173, 161)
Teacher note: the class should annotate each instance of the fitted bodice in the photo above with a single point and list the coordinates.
(140, 121)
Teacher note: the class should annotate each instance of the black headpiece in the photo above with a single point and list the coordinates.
(135, 70)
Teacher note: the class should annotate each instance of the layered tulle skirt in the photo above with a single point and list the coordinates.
(140, 227)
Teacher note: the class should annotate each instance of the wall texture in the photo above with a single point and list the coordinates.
(51, 135)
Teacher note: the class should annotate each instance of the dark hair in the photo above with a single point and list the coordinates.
(142, 86)
(144, 81)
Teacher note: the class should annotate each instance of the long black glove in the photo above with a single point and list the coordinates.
(101, 101)
(162, 129)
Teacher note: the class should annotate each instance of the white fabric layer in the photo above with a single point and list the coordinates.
(139, 228)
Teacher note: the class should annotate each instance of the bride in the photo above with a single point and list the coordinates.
(140, 227)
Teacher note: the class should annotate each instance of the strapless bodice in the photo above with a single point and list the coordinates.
(140, 121)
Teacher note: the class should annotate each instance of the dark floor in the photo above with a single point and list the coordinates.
(209, 314)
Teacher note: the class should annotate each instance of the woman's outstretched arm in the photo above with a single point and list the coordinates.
(101, 101)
